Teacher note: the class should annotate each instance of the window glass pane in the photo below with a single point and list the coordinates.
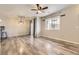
(53, 23)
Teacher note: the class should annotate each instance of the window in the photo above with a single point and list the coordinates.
(52, 23)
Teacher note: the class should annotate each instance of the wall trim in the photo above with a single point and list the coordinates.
(18, 36)
(60, 39)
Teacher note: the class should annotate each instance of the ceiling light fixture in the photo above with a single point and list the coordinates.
(39, 8)
(21, 19)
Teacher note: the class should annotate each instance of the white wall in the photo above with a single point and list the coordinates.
(38, 26)
(69, 26)
(32, 27)
(13, 27)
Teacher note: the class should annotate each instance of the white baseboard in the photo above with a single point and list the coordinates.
(18, 35)
(61, 40)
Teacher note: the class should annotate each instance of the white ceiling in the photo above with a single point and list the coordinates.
(25, 9)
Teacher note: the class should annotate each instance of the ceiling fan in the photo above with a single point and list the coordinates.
(39, 9)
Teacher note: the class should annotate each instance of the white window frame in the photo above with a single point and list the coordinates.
(52, 23)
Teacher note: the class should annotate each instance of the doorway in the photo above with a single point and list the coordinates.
(32, 28)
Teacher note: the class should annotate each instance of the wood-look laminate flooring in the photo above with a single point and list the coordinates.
(36, 46)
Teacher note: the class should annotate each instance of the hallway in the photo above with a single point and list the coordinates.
(36, 46)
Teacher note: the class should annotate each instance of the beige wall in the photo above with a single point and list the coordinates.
(13, 27)
(69, 27)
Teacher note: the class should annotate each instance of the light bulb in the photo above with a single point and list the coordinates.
(39, 11)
